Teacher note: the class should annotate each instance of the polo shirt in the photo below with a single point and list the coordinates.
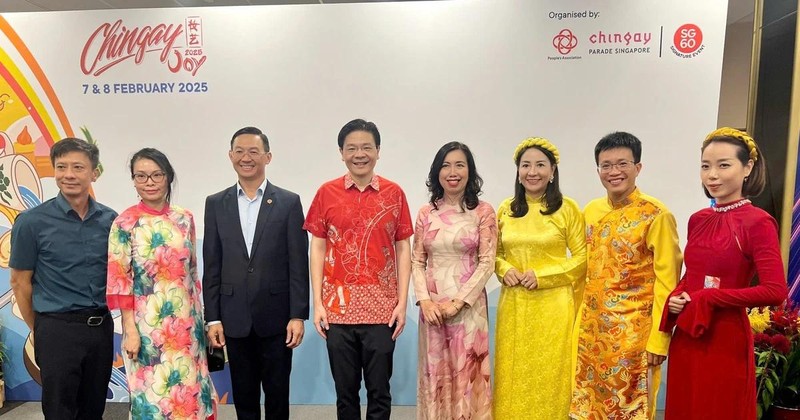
(68, 255)
(360, 228)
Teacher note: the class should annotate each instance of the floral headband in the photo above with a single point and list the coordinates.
(736, 134)
(536, 141)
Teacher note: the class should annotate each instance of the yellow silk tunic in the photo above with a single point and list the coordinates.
(534, 327)
(634, 264)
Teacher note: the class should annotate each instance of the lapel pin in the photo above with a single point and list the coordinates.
(269, 201)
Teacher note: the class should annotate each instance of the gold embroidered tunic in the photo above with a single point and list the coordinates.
(633, 264)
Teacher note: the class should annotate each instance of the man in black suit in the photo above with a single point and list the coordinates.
(255, 279)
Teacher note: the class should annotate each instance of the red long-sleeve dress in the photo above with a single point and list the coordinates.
(711, 369)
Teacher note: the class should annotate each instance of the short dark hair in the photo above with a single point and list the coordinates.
(616, 140)
(552, 199)
(254, 131)
(161, 160)
(72, 144)
(474, 181)
(360, 125)
(755, 182)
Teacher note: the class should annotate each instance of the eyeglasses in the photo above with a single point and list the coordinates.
(253, 153)
(367, 148)
(142, 178)
(623, 166)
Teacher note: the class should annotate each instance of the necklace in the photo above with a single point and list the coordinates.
(734, 205)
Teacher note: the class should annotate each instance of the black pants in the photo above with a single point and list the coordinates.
(353, 349)
(258, 363)
(75, 362)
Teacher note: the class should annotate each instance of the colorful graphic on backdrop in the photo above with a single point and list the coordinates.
(27, 133)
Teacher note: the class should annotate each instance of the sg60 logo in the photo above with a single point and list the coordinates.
(688, 38)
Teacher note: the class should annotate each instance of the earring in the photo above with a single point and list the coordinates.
(745, 178)
(551, 179)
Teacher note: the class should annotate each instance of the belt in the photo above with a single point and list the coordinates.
(92, 317)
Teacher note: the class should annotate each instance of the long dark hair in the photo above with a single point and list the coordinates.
(474, 181)
(552, 198)
(161, 160)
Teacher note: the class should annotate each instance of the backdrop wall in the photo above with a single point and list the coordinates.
(487, 73)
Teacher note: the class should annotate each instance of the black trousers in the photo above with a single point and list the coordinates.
(357, 349)
(258, 363)
(75, 362)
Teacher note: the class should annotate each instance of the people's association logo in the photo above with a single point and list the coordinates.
(687, 41)
(180, 46)
(565, 42)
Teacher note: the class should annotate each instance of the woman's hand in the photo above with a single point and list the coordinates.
(431, 313)
(452, 308)
(676, 303)
(512, 277)
(131, 343)
(529, 280)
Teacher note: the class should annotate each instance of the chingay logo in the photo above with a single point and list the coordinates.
(113, 43)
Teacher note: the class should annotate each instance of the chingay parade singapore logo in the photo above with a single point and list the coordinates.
(113, 43)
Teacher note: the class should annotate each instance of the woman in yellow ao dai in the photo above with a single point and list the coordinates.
(541, 252)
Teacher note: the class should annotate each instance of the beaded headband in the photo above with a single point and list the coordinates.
(736, 134)
(536, 141)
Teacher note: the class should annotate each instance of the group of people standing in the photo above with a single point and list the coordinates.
(591, 301)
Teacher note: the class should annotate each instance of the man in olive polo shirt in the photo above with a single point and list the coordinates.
(58, 274)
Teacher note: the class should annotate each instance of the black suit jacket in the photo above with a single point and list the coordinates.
(266, 289)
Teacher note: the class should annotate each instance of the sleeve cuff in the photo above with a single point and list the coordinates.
(120, 302)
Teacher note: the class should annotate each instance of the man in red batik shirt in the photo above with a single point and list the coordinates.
(360, 269)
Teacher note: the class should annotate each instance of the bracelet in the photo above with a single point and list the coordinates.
(454, 306)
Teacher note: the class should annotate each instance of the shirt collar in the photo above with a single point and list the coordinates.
(260, 191)
(63, 204)
(374, 183)
(633, 196)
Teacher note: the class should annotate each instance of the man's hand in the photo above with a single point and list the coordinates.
(321, 321)
(398, 319)
(512, 277)
(131, 343)
(216, 336)
(655, 359)
(294, 333)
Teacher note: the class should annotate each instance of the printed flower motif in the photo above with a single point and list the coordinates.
(142, 283)
(119, 281)
(169, 374)
(182, 402)
(168, 264)
(120, 238)
(174, 334)
(161, 305)
(142, 409)
(207, 396)
(148, 353)
(127, 220)
(141, 377)
(151, 235)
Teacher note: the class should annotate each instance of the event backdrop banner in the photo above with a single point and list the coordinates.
(487, 73)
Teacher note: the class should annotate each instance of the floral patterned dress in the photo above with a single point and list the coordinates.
(453, 257)
(152, 270)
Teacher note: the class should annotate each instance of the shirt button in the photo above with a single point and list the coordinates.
(250, 269)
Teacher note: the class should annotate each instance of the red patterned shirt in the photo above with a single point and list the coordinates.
(359, 278)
